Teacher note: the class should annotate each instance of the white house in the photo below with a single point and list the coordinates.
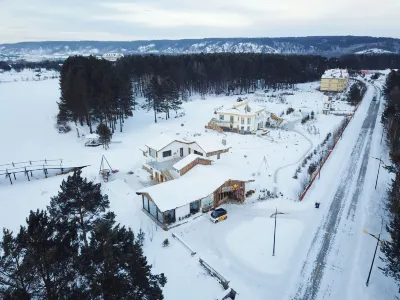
(164, 154)
(242, 117)
(203, 187)
(112, 56)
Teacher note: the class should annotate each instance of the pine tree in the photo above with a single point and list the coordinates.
(80, 202)
(43, 260)
(104, 135)
(170, 96)
(154, 97)
(391, 248)
(117, 268)
(16, 278)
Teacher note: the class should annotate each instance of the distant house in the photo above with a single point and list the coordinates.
(334, 80)
(241, 118)
(112, 56)
(204, 187)
(168, 157)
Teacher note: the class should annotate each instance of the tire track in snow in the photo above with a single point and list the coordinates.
(308, 290)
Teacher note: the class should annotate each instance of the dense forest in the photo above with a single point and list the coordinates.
(75, 250)
(94, 90)
(391, 122)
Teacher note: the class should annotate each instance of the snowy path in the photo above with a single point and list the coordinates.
(290, 126)
(326, 257)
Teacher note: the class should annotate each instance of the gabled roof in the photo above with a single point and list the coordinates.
(336, 73)
(210, 143)
(195, 185)
(243, 108)
(163, 140)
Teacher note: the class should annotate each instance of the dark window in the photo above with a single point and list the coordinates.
(181, 152)
(198, 153)
(167, 153)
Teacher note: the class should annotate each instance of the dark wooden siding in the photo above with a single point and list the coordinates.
(197, 161)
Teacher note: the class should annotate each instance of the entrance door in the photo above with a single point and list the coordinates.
(181, 150)
(189, 151)
(157, 179)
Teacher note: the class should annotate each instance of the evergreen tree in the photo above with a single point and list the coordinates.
(391, 248)
(76, 252)
(154, 97)
(117, 268)
(79, 203)
(354, 94)
(43, 260)
(104, 135)
(170, 96)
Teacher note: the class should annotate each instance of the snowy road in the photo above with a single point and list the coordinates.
(325, 259)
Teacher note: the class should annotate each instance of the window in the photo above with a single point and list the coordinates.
(189, 150)
(181, 152)
(221, 117)
(167, 153)
(242, 122)
(152, 153)
(231, 119)
(248, 120)
(248, 128)
(198, 153)
(218, 156)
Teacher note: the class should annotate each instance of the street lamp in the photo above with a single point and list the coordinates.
(376, 248)
(390, 169)
(274, 214)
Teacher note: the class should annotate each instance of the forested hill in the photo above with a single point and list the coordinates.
(317, 45)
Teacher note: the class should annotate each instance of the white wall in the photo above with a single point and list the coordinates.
(182, 211)
(175, 151)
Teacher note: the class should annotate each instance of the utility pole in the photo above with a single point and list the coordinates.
(274, 215)
(273, 251)
(373, 259)
(377, 175)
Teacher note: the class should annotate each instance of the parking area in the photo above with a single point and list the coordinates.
(240, 247)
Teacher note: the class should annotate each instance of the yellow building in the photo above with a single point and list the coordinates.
(334, 80)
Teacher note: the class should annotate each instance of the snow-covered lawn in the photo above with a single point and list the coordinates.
(27, 75)
(240, 247)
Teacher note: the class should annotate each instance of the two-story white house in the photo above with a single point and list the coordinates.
(167, 156)
(241, 117)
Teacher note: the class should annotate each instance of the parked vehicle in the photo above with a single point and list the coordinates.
(218, 215)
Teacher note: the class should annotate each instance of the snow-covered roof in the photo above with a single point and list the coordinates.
(210, 143)
(243, 108)
(163, 140)
(195, 185)
(335, 73)
(187, 160)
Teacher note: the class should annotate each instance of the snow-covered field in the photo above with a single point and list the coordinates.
(241, 247)
(27, 75)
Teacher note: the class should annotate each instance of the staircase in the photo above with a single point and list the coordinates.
(167, 175)
(276, 118)
(214, 126)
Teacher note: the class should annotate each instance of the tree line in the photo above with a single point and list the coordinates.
(94, 90)
(391, 123)
(98, 91)
(75, 250)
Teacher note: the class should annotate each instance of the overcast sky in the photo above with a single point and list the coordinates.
(38, 20)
